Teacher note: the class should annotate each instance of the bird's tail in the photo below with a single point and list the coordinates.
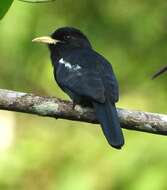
(107, 115)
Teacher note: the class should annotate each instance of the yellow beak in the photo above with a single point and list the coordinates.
(45, 39)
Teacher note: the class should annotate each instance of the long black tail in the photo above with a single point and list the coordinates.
(107, 116)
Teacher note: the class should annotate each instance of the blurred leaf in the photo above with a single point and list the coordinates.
(37, 1)
(5, 5)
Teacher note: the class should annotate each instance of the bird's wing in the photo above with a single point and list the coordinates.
(82, 74)
(81, 81)
(109, 79)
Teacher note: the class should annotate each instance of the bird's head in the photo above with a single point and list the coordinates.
(66, 35)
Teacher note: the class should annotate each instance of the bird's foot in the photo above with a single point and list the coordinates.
(73, 105)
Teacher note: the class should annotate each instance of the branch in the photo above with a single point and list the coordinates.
(56, 108)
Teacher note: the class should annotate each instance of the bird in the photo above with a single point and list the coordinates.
(86, 77)
(159, 72)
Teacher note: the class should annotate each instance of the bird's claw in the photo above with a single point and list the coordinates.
(73, 105)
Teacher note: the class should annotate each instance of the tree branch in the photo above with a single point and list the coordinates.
(56, 108)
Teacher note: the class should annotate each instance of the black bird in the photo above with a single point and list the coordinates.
(161, 71)
(87, 77)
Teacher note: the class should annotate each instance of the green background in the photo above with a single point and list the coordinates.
(49, 154)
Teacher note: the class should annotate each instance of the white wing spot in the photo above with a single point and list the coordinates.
(76, 67)
(69, 66)
(65, 63)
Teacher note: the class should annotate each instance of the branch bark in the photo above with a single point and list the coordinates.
(56, 108)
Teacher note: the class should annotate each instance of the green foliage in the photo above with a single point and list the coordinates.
(36, 1)
(5, 5)
(50, 154)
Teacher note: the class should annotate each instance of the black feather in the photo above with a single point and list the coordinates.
(107, 116)
(88, 78)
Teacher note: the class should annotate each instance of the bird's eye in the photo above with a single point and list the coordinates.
(67, 37)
